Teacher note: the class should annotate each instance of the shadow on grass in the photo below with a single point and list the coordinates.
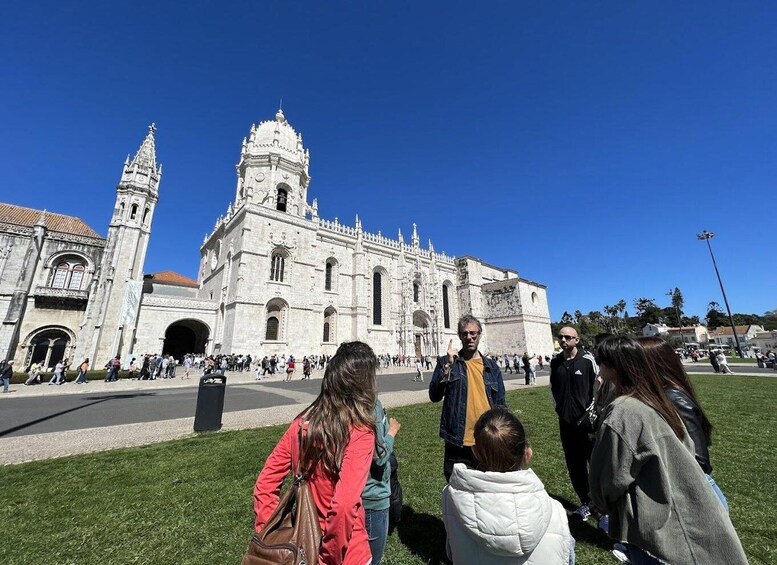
(423, 535)
(95, 400)
(583, 531)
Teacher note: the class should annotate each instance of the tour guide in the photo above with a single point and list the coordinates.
(471, 384)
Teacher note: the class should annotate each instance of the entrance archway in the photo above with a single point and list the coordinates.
(422, 333)
(185, 336)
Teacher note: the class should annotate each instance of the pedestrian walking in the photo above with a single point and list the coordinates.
(419, 373)
(6, 373)
(33, 374)
(290, 368)
(723, 363)
(56, 378)
(83, 368)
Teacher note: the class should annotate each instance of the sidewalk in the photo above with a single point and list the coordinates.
(97, 384)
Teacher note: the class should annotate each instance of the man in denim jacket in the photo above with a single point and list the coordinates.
(471, 384)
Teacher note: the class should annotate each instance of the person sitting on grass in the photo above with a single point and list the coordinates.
(501, 512)
(644, 474)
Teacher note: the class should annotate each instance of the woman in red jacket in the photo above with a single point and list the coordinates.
(338, 447)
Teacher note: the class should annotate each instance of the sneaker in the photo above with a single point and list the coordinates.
(581, 514)
(620, 556)
(604, 523)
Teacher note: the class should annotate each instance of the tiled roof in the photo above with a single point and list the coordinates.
(171, 277)
(20, 216)
(726, 330)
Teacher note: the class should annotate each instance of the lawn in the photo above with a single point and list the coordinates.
(189, 501)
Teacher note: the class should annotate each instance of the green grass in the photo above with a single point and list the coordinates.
(747, 360)
(189, 501)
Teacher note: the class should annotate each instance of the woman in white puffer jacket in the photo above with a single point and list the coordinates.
(501, 513)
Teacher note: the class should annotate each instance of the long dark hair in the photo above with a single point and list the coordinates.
(346, 401)
(637, 376)
(671, 370)
(500, 441)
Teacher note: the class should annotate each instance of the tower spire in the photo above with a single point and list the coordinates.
(146, 155)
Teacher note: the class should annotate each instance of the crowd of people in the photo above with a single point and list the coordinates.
(635, 439)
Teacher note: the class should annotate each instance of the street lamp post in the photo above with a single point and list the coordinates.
(707, 236)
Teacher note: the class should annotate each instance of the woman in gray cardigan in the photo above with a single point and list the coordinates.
(644, 474)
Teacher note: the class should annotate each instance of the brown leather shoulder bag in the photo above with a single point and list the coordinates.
(292, 535)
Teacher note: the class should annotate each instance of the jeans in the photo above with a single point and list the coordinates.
(640, 557)
(455, 454)
(718, 492)
(377, 531)
(6, 382)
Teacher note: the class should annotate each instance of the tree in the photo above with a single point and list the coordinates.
(714, 317)
(647, 311)
(677, 300)
(615, 318)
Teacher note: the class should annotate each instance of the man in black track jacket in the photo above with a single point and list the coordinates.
(572, 376)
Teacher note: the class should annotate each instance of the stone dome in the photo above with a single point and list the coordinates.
(275, 136)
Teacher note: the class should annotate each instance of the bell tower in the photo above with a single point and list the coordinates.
(274, 168)
(113, 310)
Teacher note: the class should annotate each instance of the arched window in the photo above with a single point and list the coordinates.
(272, 329)
(446, 309)
(133, 211)
(146, 212)
(330, 325)
(278, 265)
(60, 276)
(415, 292)
(76, 277)
(377, 299)
(68, 273)
(49, 347)
(121, 210)
(283, 196)
(275, 320)
(328, 277)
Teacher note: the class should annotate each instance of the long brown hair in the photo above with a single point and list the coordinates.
(500, 441)
(671, 370)
(637, 376)
(346, 401)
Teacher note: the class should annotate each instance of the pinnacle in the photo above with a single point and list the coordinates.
(146, 155)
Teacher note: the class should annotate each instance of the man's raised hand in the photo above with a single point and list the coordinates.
(452, 353)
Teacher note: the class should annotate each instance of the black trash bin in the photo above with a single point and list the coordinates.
(210, 403)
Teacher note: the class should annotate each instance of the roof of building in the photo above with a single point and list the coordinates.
(726, 330)
(685, 329)
(171, 277)
(29, 217)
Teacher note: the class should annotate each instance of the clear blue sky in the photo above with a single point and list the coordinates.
(582, 143)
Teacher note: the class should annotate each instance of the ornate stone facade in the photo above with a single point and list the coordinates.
(273, 276)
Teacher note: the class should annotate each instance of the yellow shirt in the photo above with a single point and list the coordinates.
(477, 401)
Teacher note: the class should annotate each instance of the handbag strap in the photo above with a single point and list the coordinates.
(299, 476)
